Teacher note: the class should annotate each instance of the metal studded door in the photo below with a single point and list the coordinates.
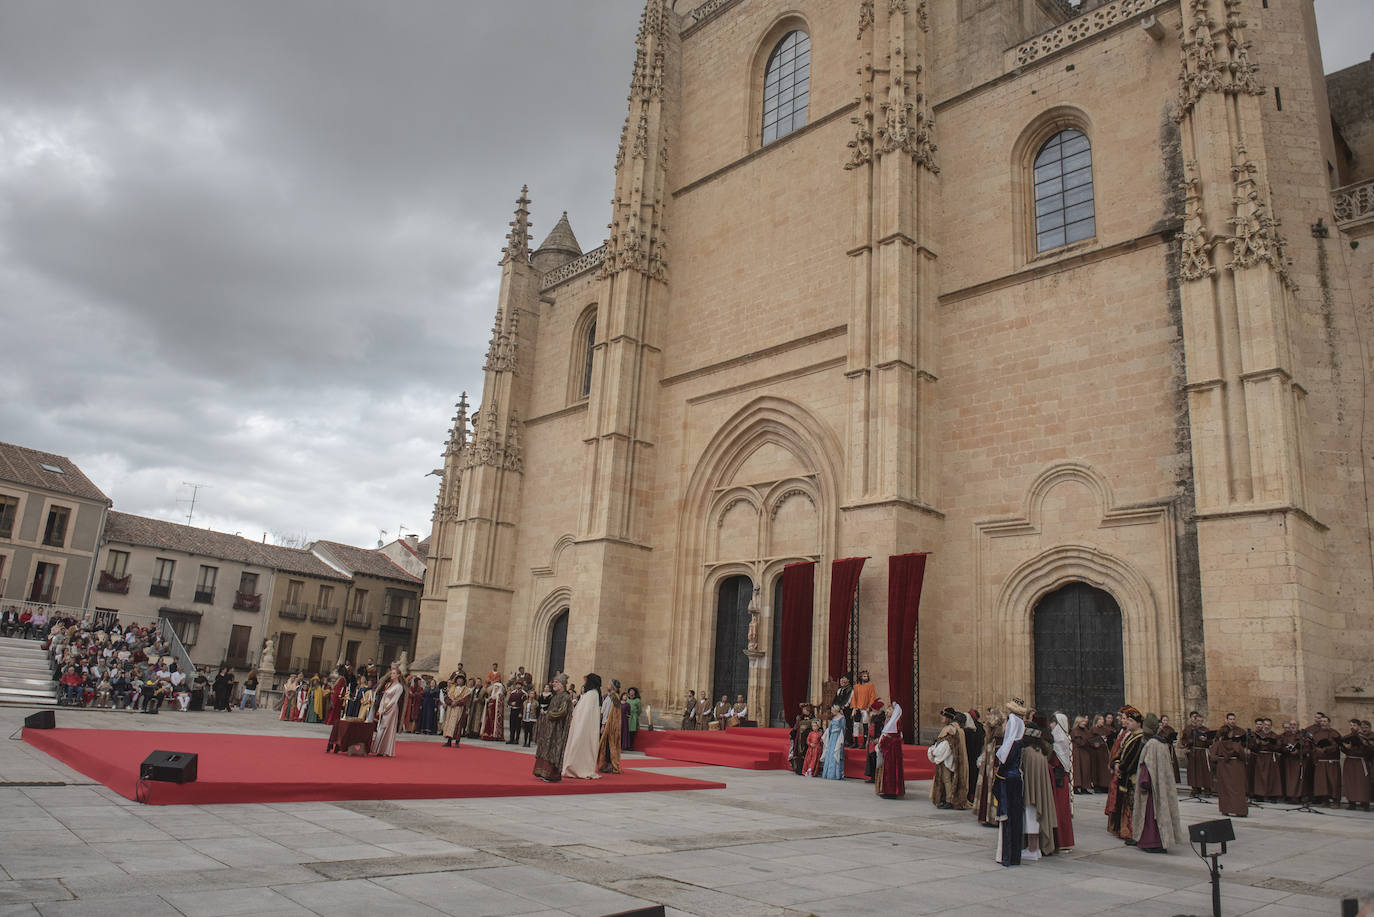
(732, 638)
(558, 644)
(775, 711)
(1078, 654)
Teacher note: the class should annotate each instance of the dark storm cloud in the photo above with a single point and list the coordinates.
(254, 244)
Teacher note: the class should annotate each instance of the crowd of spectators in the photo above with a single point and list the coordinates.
(104, 663)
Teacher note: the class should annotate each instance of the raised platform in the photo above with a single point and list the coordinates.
(758, 748)
(247, 768)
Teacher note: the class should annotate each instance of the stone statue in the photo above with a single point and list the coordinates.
(754, 622)
(267, 662)
(404, 663)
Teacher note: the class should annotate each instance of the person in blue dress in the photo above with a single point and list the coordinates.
(832, 758)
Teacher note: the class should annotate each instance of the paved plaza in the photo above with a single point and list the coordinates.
(770, 844)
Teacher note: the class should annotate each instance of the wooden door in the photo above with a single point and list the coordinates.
(1079, 666)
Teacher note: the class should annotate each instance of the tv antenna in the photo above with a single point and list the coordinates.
(195, 493)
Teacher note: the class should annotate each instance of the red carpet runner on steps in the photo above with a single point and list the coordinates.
(248, 768)
(755, 748)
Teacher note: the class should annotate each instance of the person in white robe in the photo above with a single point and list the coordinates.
(390, 707)
(579, 757)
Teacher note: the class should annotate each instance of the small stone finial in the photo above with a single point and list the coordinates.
(518, 239)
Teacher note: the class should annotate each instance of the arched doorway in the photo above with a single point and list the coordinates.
(732, 637)
(558, 644)
(776, 715)
(1079, 664)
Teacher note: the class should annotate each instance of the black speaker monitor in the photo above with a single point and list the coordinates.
(1216, 831)
(169, 767)
(43, 719)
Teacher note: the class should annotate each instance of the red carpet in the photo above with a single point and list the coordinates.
(758, 749)
(240, 769)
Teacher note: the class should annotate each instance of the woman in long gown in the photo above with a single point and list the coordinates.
(551, 733)
(302, 700)
(391, 710)
(336, 698)
(579, 756)
(1061, 779)
(493, 716)
(288, 698)
(314, 701)
(889, 771)
(832, 766)
(608, 748)
(815, 744)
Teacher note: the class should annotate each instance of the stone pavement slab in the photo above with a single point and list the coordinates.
(769, 845)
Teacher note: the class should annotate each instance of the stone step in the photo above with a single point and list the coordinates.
(37, 694)
(26, 671)
(17, 700)
(20, 643)
(14, 680)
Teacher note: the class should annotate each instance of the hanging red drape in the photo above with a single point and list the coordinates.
(905, 574)
(844, 582)
(798, 591)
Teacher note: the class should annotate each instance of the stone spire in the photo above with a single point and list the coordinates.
(450, 476)
(558, 248)
(518, 239)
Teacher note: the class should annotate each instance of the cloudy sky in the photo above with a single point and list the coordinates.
(253, 244)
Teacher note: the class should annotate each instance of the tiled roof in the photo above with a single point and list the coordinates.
(125, 528)
(423, 549)
(365, 561)
(25, 466)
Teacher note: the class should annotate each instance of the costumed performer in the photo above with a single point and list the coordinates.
(608, 744)
(832, 766)
(336, 698)
(1036, 751)
(579, 757)
(1061, 775)
(815, 744)
(551, 733)
(1008, 790)
(1121, 793)
(459, 696)
(493, 717)
(987, 807)
(391, 711)
(889, 776)
(949, 789)
(1156, 794)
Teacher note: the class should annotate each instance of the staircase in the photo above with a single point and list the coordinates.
(25, 677)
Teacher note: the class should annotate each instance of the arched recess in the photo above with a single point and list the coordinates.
(765, 421)
(1028, 143)
(558, 645)
(556, 602)
(787, 22)
(1148, 652)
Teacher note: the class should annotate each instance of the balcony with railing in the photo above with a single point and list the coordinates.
(1354, 205)
(359, 619)
(111, 583)
(323, 614)
(161, 590)
(398, 621)
(296, 611)
(247, 601)
(205, 596)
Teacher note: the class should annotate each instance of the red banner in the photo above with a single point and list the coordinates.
(798, 599)
(905, 575)
(844, 582)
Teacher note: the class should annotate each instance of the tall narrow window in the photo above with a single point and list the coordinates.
(9, 508)
(117, 563)
(587, 362)
(55, 534)
(786, 86)
(161, 586)
(1064, 191)
(205, 586)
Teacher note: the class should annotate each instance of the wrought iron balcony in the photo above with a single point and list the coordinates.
(205, 596)
(247, 601)
(296, 611)
(111, 583)
(324, 615)
(359, 619)
(160, 590)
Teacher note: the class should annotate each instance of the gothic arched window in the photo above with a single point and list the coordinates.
(1063, 176)
(581, 349)
(786, 86)
(589, 345)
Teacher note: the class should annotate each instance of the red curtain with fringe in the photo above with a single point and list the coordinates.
(798, 599)
(905, 575)
(844, 582)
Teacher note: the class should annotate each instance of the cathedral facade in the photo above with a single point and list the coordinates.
(1059, 295)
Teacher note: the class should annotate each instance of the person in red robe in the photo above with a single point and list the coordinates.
(415, 694)
(336, 698)
(1061, 779)
(889, 779)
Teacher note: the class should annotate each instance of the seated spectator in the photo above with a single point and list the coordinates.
(71, 683)
(119, 688)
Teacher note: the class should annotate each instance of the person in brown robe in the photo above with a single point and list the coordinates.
(1326, 762)
(987, 808)
(1104, 736)
(1039, 789)
(949, 788)
(1359, 748)
(721, 713)
(1081, 739)
(1267, 759)
(1197, 743)
(1291, 758)
(551, 733)
(1229, 751)
(456, 713)
(703, 710)
(689, 712)
(1169, 736)
(608, 746)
